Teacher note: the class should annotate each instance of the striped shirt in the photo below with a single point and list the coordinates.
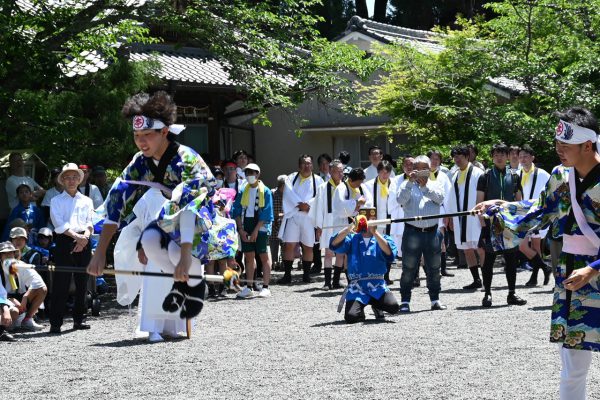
(420, 201)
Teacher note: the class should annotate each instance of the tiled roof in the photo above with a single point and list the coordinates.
(395, 34)
(91, 61)
(184, 64)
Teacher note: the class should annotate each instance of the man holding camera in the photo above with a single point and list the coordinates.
(420, 196)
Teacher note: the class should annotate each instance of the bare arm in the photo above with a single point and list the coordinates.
(385, 247)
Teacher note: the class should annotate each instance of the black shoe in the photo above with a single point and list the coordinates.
(473, 286)
(378, 313)
(389, 282)
(212, 292)
(514, 300)
(306, 278)
(286, 280)
(417, 282)
(462, 266)
(337, 286)
(487, 300)
(531, 282)
(438, 306)
(315, 270)
(7, 337)
(404, 308)
(547, 274)
(54, 329)
(444, 273)
(78, 326)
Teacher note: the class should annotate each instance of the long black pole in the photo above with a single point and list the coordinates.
(411, 219)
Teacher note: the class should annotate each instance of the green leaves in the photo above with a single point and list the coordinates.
(548, 49)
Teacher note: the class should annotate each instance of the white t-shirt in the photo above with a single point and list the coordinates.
(13, 182)
(251, 201)
(50, 193)
(371, 173)
(28, 278)
(94, 194)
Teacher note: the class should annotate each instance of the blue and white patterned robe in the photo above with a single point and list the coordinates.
(575, 315)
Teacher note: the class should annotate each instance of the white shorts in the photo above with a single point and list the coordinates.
(467, 246)
(299, 228)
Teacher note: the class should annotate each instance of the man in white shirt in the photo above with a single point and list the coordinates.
(394, 208)
(323, 212)
(378, 190)
(375, 157)
(17, 178)
(533, 182)
(463, 197)
(71, 214)
(298, 225)
(89, 190)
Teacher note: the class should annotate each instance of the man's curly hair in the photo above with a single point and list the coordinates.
(158, 106)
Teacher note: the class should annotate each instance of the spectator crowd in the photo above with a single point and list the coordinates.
(51, 223)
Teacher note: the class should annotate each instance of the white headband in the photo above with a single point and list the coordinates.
(141, 123)
(574, 134)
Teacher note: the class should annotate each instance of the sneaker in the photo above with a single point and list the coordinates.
(31, 325)
(264, 292)
(404, 308)
(16, 323)
(514, 300)
(155, 337)
(246, 293)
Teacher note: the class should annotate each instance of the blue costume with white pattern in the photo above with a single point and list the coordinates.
(365, 261)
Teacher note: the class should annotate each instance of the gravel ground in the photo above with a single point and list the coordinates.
(295, 346)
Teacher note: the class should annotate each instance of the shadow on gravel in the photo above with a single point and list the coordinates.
(458, 291)
(332, 323)
(308, 290)
(343, 323)
(327, 294)
(544, 291)
(131, 342)
(541, 308)
(480, 308)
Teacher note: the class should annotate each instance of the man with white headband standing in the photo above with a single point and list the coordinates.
(571, 198)
(184, 235)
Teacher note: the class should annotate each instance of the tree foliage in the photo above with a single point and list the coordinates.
(548, 47)
(272, 49)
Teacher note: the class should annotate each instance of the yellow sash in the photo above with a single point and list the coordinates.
(432, 176)
(462, 176)
(383, 188)
(261, 195)
(525, 176)
(302, 179)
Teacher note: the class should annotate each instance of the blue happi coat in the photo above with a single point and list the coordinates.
(365, 261)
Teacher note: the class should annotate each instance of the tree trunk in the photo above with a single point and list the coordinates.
(380, 12)
(361, 8)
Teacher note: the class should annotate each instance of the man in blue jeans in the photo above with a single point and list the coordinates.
(420, 196)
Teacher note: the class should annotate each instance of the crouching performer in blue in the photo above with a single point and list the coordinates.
(187, 231)
(369, 252)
